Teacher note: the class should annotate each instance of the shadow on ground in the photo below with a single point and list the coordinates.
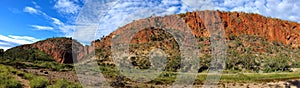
(295, 83)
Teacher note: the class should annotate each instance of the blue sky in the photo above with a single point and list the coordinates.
(28, 21)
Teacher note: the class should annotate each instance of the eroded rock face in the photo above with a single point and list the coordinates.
(59, 49)
(235, 23)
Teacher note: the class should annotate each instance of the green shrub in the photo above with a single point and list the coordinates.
(182, 15)
(31, 55)
(278, 63)
(10, 83)
(54, 66)
(119, 82)
(61, 83)
(28, 76)
(39, 82)
(174, 64)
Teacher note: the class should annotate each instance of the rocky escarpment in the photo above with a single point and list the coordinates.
(239, 23)
(60, 49)
(235, 23)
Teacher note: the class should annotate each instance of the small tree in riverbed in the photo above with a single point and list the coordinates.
(1, 52)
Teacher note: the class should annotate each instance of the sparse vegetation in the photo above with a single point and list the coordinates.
(167, 77)
(182, 14)
(39, 82)
(7, 80)
(251, 77)
(32, 58)
(28, 55)
(278, 63)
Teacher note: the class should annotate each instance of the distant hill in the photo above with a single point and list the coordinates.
(58, 49)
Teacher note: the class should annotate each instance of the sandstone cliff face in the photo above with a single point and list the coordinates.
(59, 49)
(235, 23)
(254, 24)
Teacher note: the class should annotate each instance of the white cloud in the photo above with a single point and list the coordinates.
(57, 21)
(283, 9)
(4, 47)
(26, 38)
(38, 27)
(234, 3)
(41, 13)
(70, 9)
(17, 40)
(198, 4)
(35, 4)
(67, 6)
(66, 29)
(4, 43)
(9, 41)
(125, 12)
(35, 11)
(31, 10)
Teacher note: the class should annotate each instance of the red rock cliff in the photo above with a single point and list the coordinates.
(235, 23)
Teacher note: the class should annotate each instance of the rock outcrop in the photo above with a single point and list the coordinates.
(235, 23)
